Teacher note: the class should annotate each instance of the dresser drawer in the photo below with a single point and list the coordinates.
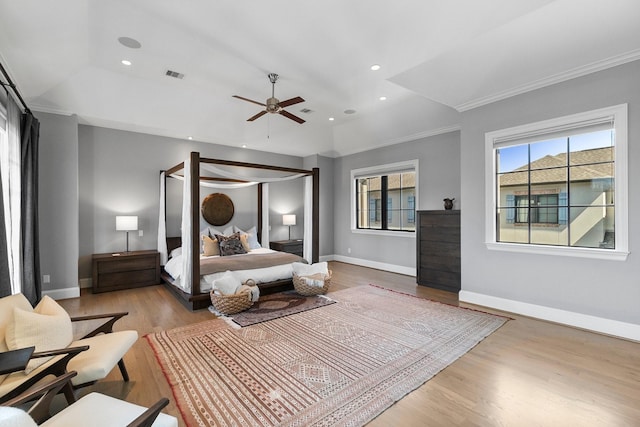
(290, 246)
(124, 263)
(126, 270)
(127, 279)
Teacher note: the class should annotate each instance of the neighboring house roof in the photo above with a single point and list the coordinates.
(595, 163)
(393, 181)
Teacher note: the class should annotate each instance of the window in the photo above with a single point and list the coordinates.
(544, 211)
(384, 197)
(560, 185)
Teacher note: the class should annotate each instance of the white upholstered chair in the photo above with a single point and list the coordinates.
(94, 409)
(48, 327)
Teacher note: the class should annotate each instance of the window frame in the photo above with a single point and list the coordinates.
(495, 139)
(386, 169)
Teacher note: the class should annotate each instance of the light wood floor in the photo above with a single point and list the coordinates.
(527, 373)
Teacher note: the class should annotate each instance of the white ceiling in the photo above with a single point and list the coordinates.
(438, 58)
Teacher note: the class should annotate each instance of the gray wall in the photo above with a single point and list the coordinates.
(606, 289)
(439, 177)
(325, 164)
(119, 174)
(58, 200)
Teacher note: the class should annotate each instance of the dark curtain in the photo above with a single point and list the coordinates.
(29, 135)
(5, 279)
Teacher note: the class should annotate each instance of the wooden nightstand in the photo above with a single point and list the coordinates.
(125, 270)
(290, 246)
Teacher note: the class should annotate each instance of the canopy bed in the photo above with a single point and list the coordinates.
(190, 274)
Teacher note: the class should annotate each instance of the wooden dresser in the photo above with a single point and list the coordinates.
(290, 246)
(125, 270)
(438, 249)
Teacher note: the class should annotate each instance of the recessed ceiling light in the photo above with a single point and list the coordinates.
(190, 138)
(244, 145)
(383, 98)
(126, 62)
(349, 111)
(375, 67)
(331, 119)
(129, 42)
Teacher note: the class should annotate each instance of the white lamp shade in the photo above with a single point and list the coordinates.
(288, 220)
(126, 223)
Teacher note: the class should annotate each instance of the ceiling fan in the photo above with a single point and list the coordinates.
(273, 105)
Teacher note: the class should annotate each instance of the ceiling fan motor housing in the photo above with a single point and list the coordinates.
(272, 105)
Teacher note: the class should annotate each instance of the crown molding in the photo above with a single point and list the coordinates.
(50, 110)
(548, 81)
(406, 138)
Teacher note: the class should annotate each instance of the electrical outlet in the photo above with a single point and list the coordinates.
(348, 250)
(140, 233)
(46, 279)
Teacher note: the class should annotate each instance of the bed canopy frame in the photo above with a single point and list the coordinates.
(195, 299)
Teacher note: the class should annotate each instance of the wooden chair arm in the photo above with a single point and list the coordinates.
(105, 328)
(58, 368)
(69, 350)
(40, 411)
(147, 418)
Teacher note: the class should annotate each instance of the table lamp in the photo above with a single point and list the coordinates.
(126, 223)
(289, 220)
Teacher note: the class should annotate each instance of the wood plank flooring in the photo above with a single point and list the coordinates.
(528, 373)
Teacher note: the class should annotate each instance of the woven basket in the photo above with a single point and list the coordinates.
(232, 304)
(302, 288)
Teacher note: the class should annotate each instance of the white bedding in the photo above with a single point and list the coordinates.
(260, 275)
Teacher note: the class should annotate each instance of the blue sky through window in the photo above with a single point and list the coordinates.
(516, 156)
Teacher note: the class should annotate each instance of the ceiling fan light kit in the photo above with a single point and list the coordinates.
(273, 104)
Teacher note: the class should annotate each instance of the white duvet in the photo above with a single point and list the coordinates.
(260, 275)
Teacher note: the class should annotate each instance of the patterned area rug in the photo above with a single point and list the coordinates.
(271, 307)
(342, 364)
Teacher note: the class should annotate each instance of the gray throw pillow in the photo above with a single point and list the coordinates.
(230, 245)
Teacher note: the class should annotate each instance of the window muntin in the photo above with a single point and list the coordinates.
(386, 201)
(581, 159)
(550, 176)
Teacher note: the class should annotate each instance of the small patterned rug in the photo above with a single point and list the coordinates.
(343, 364)
(282, 304)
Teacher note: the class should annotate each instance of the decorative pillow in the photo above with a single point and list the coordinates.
(302, 269)
(252, 236)
(214, 231)
(244, 238)
(47, 327)
(211, 246)
(230, 245)
(204, 232)
(176, 252)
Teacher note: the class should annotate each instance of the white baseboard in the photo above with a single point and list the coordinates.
(63, 293)
(584, 321)
(408, 271)
(86, 283)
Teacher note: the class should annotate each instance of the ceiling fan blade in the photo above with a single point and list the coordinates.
(291, 116)
(291, 101)
(249, 100)
(260, 114)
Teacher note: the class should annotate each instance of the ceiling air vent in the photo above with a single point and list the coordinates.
(175, 74)
(306, 111)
